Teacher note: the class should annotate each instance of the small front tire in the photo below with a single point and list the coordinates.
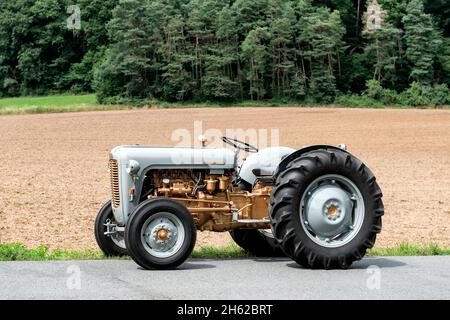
(160, 234)
(111, 245)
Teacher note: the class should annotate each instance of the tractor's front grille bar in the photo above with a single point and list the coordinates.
(114, 173)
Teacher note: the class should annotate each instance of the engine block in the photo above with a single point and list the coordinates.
(214, 202)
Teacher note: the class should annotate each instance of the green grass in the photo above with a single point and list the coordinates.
(51, 104)
(19, 252)
(209, 252)
(76, 103)
(405, 249)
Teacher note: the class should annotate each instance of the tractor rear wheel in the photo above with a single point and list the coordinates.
(326, 209)
(257, 242)
(160, 234)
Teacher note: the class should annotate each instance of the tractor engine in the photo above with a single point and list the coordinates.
(214, 202)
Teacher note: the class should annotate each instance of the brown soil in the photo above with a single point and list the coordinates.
(53, 167)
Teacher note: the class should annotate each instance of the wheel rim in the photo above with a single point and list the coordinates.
(162, 235)
(119, 240)
(332, 210)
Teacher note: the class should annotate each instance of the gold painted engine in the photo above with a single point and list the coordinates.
(212, 199)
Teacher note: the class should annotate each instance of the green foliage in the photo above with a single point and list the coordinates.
(417, 95)
(384, 48)
(38, 54)
(358, 101)
(132, 51)
(421, 41)
(211, 51)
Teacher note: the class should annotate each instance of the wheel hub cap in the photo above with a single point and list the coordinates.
(332, 210)
(161, 237)
(162, 234)
(328, 211)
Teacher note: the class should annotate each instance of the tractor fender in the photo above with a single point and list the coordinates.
(266, 160)
(296, 154)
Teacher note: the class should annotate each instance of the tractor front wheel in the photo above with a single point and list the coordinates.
(113, 244)
(160, 234)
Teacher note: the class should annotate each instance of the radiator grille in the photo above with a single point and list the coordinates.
(114, 173)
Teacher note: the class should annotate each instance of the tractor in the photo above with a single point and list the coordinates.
(318, 205)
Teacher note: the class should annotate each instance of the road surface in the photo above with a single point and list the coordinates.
(266, 279)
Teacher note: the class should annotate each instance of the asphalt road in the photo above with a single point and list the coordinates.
(266, 279)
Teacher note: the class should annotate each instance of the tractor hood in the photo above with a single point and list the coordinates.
(179, 157)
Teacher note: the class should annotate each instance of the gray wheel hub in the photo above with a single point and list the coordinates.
(332, 210)
(329, 211)
(163, 234)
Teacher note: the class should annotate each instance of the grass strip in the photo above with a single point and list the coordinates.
(19, 252)
(88, 102)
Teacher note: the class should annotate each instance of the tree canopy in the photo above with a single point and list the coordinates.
(215, 50)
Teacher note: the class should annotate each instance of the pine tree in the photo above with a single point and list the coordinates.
(281, 29)
(177, 81)
(384, 46)
(130, 33)
(384, 49)
(255, 51)
(323, 34)
(421, 42)
(220, 80)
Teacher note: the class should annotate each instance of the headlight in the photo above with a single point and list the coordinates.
(132, 167)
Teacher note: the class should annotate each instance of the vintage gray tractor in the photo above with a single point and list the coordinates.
(319, 205)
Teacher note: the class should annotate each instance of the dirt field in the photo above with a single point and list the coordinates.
(53, 168)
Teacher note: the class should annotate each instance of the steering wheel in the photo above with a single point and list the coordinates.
(240, 145)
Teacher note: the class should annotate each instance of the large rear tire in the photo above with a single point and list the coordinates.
(258, 243)
(160, 234)
(111, 245)
(326, 209)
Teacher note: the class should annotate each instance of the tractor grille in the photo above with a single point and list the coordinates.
(114, 173)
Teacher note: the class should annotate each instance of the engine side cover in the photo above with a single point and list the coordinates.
(266, 159)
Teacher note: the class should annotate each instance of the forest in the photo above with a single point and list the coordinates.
(349, 52)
